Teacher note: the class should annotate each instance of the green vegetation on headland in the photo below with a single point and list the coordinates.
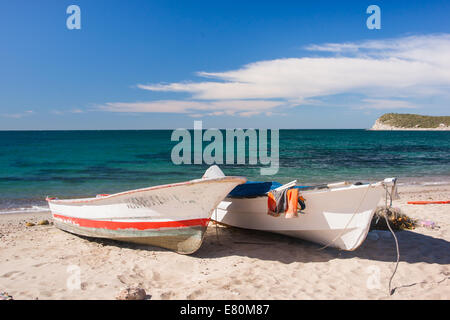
(412, 121)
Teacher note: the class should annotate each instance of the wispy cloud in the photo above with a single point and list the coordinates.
(18, 115)
(76, 111)
(211, 108)
(61, 112)
(386, 104)
(386, 74)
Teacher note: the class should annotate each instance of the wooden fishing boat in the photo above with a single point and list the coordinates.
(172, 216)
(337, 215)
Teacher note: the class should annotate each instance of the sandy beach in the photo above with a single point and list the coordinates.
(42, 262)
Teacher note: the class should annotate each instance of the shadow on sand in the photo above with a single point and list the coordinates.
(230, 241)
(414, 247)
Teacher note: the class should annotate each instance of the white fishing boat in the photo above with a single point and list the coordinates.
(337, 215)
(173, 216)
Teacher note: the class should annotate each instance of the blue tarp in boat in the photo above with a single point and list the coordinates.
(253, 189)
(256, 188)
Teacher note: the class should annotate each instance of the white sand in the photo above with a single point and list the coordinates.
(38, 262)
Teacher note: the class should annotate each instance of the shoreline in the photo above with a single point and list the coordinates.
(36, 208)
(409, 129)
(38, 262)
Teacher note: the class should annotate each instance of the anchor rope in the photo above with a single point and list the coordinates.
(391, 291)
(216, 223)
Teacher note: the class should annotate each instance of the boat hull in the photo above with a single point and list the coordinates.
(338, 217)
(173, 216)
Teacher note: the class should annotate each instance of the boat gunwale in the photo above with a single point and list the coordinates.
(163, 186)
(321, 190)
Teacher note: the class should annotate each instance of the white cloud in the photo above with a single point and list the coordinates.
(390, 73)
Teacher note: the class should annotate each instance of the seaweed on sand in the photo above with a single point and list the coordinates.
(396, 218)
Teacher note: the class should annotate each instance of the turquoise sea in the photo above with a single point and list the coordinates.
(34, 164)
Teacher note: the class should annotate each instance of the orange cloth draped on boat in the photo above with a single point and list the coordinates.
(283, 201)
(292, 196)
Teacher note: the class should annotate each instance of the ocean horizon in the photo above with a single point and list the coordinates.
(81, 163)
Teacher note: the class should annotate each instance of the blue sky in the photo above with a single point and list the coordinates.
(164, 64)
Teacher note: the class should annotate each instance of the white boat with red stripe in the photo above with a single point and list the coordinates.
(173, 216)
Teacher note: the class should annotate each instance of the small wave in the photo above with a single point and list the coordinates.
(24, 210)
(439, 183)
(424, 183)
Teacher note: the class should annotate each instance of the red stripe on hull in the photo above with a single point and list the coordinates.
(116, 225)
